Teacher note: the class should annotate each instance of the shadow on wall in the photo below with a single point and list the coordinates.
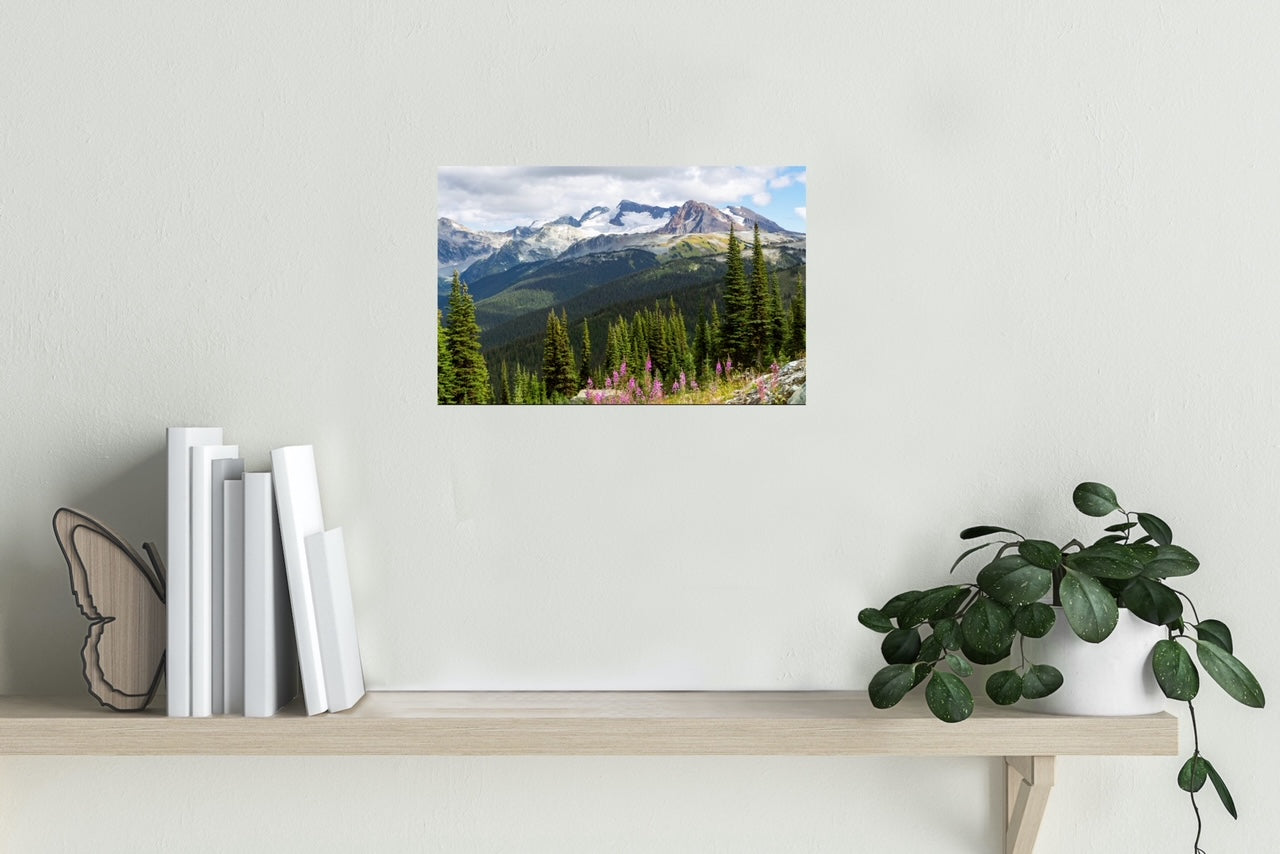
(43, 630)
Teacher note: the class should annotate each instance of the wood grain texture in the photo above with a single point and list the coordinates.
(122, 596)
(817, 723)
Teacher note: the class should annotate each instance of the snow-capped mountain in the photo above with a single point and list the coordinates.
(599, 229)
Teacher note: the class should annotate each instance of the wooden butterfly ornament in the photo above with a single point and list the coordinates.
(123, 596)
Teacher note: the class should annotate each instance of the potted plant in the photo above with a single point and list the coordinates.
(937, 635)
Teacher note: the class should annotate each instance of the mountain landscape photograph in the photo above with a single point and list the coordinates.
(621, 285)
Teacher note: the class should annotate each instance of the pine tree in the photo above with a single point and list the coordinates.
(734, 328)
(758, 312)
(504, 385)
(446, 382)
(462, 335)
(715, 344)
(796, 341)
(584, 373)
(558, 372)
(777, 321)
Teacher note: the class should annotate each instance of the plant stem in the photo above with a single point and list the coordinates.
(1195, 735)
(1194, 612)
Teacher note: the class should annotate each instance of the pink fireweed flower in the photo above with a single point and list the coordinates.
(623, 369)
(590, 384)
(760, 385)
(648, 365)
(719, 368)
(728, 365)
(695, 385)
(775, 370)
(657, 391)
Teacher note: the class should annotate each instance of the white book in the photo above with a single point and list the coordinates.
(298, 502)
(223, 472)
(232, 599)
(179, 442)
(335, 619)
(202, 553)
(270, 651)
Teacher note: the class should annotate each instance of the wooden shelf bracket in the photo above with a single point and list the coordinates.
(1028, 781)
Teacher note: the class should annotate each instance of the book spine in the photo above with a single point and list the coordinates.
(270, 651)
(233, 554)
(202, 548)
(179, 441)
(335, 619)
(224, 472)
(297, 492)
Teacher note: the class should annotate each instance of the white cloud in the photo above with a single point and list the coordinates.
(499, 197)
(803, 213)
(781, 181)
(803, 177)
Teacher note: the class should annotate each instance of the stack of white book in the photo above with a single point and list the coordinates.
(258, 590)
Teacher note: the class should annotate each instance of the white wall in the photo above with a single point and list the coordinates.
(1043, 250)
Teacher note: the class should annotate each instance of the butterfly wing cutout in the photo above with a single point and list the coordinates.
(123, 598)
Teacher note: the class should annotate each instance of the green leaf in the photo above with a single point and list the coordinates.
(1170, 562)
(931, 650)
(1221, 788)
(1144, 552)
(985, 530)
(1120, 527)
(933, 604)
(1192, 774)
(978, 656)
(875, 620)
(1106, 560)
(1034, 620)
(1215, 632)
(1090, 609)
(948, 697)
(891, 684)
(894, 606)
(1041, 553)
(1109, 539)
(968, 552)
(1156, 528)
(1231, 674)
(1143, 540)
(1094, 499)
(959, 665)
(1151, 601)
(987, 628)
(1004, 687)
(900, 646)
(1013, 581)
(1041, 681)
(948, 633)
(1175, 672)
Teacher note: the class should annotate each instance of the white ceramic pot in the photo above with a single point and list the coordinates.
(1109, 678)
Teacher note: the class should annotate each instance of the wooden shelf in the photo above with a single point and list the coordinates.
(581, 723)
(604, 723)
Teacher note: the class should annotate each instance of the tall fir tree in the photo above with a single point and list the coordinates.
(471, 374)
(446, 382)
(777, 320)
(758, 311)
(735, 325)
(558, 371)
(504, 385)
(796, 340)
(715, 350)
(584, 373)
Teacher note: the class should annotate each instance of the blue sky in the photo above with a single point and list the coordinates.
(496, 198)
